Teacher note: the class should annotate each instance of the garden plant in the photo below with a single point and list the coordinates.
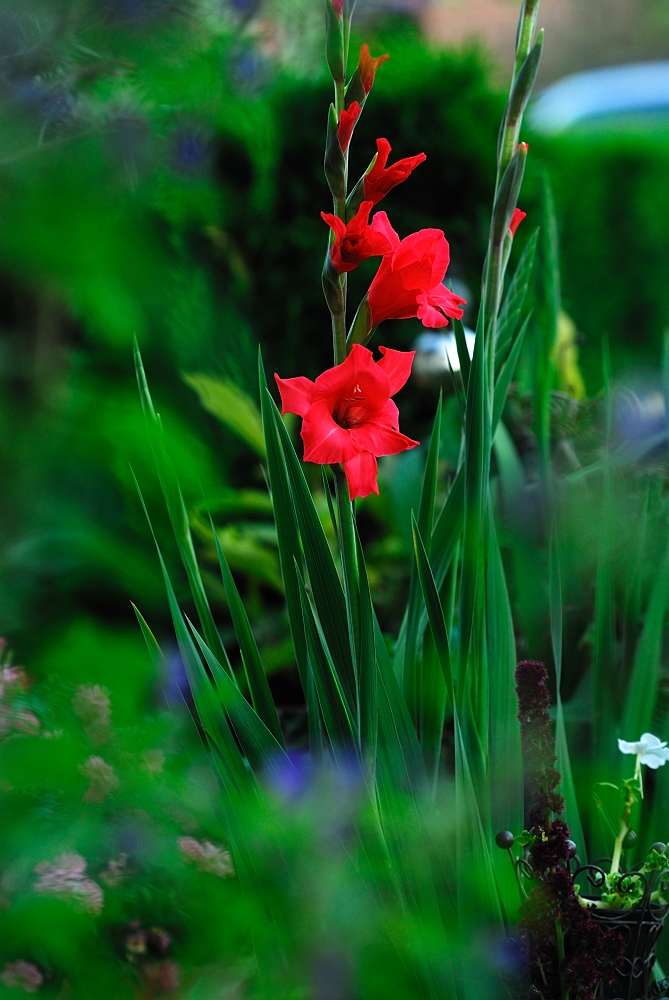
(209, 852)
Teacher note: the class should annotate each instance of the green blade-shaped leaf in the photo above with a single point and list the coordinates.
(411, 665)
(435, 612)
(368, 679)
(506, 770)
(211, 716)
(477, 465)
(514, 300)
(323, 577)
(286, 526)
(448, 528)
(478, 902)
(261, 747)
(463, 352)
(253, 665)
(399, 749)
(236, 409)
(338, 714)
(568, 788)
(505, 377)
(643, 686)
(178, 515)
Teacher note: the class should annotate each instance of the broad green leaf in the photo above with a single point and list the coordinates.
(232, 406)
(253, 665)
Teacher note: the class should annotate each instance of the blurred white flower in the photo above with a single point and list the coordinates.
(21, 976)
(649, 750)
(66, 876)
(102, 777)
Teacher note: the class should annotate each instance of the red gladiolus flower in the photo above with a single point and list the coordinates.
(368, 65)
(356, 241)
(338, 7)
(516, 219)
(347, 119)
(381, 179)
(348, 415)
(408, 283)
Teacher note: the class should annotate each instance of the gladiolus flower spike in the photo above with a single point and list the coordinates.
(348, 415)
(356, 241)
(408, 283)
(381, 179)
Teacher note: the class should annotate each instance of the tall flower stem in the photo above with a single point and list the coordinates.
(348, 549)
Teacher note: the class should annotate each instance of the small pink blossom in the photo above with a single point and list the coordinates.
(21, 976)
(66, 876)
(102, 778)
(207, 857)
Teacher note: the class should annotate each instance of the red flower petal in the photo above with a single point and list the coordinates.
(361, 472)
(423, 259)
(337, 225)
(347, 119)
(516, 219)
(296, 394)
(436, 305)
(397, 366)
(368, 66)
(358, 380)
(387, 297)
(357, 241)
(381, 179)
(375, 436)
(325, 442)
(381, 225)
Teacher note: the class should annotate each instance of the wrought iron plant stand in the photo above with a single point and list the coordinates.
(640, 927)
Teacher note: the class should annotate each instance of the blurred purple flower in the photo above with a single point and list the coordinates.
(190, 151)
(53, 103)
(290, 774)
(175, 685)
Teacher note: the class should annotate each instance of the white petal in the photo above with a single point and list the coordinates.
(652, 760)
(650, 742)
(626, 747)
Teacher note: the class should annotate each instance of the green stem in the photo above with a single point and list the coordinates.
(348, 550)
(339, 330)
(528, 20)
